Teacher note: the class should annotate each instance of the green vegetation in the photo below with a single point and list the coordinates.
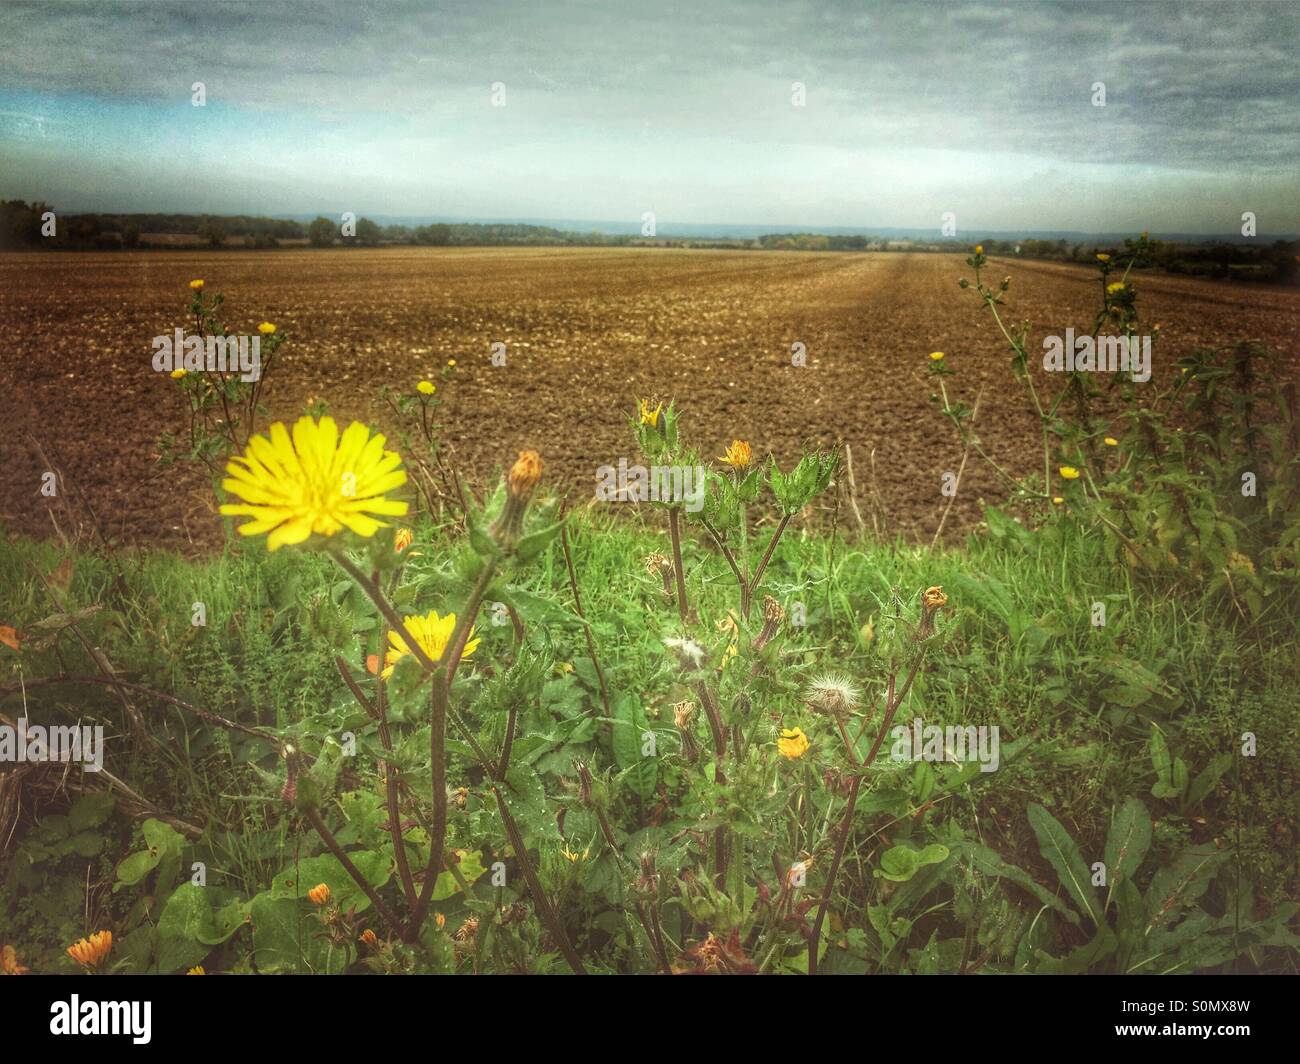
(714, 739)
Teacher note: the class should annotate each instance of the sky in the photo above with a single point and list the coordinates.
(687, 110)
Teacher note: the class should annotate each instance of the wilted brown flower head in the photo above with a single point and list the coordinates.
(933, 598)
(773, 618)
(684, 713)
(932, 601)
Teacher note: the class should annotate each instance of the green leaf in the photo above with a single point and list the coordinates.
(630, 727)
(1178, 885)
(287, 940)
(1127, 843)
(90, 810)
(1060, 851)
(900, 863)
(991, 863)
(187, 916)
(299, 877)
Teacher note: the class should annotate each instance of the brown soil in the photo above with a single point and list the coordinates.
(586, 330)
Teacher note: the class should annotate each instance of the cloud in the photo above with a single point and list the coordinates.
(686, 99)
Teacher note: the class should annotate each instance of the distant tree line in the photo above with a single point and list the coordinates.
(28, 225)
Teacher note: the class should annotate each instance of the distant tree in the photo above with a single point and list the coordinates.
(368, 232)
(438, 234)
(130, 236)
(321, 232)
(212, 232)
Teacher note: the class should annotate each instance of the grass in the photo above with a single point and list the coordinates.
(1075, 704)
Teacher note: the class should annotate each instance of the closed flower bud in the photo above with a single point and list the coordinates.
(319, 894)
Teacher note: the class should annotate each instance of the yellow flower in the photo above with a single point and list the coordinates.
(177, 374)
(9, 962)
(1110, 441)
(648, 416)
(738, 455)
(570, 855)
(936, 356)
(979, 249)
(196, 285)
(1102, 257)
(266, 328)
(1111, 289)
(792, 743)
(1057, 500)
(432, 633)
(426, 387)
(91, 951)
(402, 539)
(196, 970)
(319, 894)
(314, 482)
(451, 362)
(1068, 472)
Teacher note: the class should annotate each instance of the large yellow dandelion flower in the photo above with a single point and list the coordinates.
(1115, 289)
(1068, 472)
(426, 387)
(91, 951)
(792, 743)
(433, 633)
(738, 455)
(314, 482)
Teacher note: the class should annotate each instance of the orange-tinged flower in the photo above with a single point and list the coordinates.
(432, 633)
(315, 481)
(792, 743)
(738, 456)
(9, 962)
(933, 598)
(369, 938)
(319, 894)
(196, 285)
(402, 539)
(91, 951)
(524, 474)
(440, 920)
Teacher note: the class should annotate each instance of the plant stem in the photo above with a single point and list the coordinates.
(545, 911)
(674, 527)
(331, 843)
